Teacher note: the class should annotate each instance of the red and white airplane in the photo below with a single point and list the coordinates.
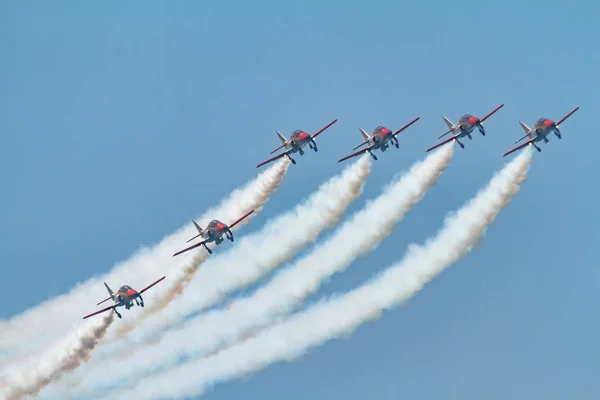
(380, 139)
(125, 296)
(295, 143)
(213, 233)
(464, 127)
(541, 129)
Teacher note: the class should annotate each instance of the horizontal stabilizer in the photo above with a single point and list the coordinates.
(354, 154)
(440, 144)
(518, 147)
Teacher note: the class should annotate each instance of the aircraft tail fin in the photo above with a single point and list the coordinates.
(109, 289)
(110, 292)
(449, 123)
(281, 137)
(364, 134)
(200, 231)
(283, 141)
(528, 133)
(526, 129)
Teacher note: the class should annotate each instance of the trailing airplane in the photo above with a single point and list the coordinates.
(297, 141)
(464, 127)
(380, 139)
(213, 233)
(540, 131)
(125, 296)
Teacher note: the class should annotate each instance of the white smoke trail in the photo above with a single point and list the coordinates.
(255, 255)
(261, 252)
(343, 314)
(43, 323)
(289, 288)
(64, 357)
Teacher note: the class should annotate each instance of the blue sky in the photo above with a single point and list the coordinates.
(120, 122)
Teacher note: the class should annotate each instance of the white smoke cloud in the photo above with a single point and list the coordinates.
(342, 314)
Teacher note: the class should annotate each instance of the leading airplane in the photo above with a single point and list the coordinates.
(213, 233)
(464, 127)
(380, 139)
(125, 296)
(540, 131)
(295, 143)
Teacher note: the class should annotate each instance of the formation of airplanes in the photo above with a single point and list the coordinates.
(380, 139)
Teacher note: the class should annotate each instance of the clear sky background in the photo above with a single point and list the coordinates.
(121, 121)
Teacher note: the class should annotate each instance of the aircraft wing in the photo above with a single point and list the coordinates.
(567, 116)
(150, 285)
(493, 111)
(441, 143)
(99, 311)
(519, 147)
(326, 126)
(406, 126)
(273, 158)
(356, 153)
(240, 219)
(189, 248)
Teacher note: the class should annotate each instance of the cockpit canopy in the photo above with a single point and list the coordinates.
(124, 289)
(542, 121)
(466, 117)
(297, 132)
(379, 129)
(214, 223)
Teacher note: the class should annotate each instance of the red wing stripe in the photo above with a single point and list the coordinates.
(490, 114)
(327, 126)
(518, 147)
(567, 116)
(407, 125)
(189, 248)
(440, 144)
(99, 311)
(272, 159)
(240, 219)
(149, 286)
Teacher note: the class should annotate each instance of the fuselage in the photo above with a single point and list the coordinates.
(125, 296)
(466, 124)
(214, 231)
(542, 128)
(380, 138)
(298, 140)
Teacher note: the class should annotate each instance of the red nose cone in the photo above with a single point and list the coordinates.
(473, 120)
(131, 293)
(303, 136)
(220, 226)
(548, 123)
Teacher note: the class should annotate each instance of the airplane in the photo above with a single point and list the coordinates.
(213, 233)
(379, 139)
(125, 296)
(540, 131)
(464, 127)
(295, 143)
